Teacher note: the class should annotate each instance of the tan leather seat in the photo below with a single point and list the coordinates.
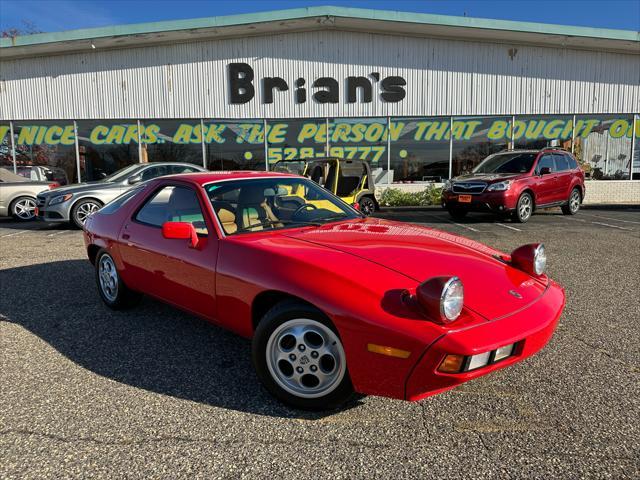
(228, 221)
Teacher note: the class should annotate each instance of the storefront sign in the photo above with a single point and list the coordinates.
(242, 87)
(340, 132)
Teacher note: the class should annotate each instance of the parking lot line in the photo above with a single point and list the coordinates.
(509, 227)
(613, 226)
(13, 234)
(454, 223)
(610, 218)
(57, 233)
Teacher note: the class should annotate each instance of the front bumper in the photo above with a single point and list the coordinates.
(55, 213)
(531, 328)
(504, 201)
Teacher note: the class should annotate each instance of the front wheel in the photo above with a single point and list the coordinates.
(114, 293)
(367, 206)
(23, 208)
(81, 211)
(573, 204)
(299, 358)
(524, 208)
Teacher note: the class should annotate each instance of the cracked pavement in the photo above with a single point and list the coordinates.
(156, 393)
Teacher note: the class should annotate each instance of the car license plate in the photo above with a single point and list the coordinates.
(464, 198)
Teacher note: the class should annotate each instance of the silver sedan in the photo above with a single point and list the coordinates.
(74, 203)
(18, 195)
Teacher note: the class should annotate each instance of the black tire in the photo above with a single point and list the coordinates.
(524, 208)
(573, 203)
(367, 206)
(457, 213)
(121, 297)
(279, 317)
(80, 211)
(22, 208)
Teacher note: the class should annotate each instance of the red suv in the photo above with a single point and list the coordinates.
(517, 182)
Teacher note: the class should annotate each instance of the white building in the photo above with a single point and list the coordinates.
(421, 97)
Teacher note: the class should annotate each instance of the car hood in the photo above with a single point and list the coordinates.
(85, 187)
(492, 287)
(485, 177)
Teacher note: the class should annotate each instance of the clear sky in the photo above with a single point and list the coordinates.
(56, 15)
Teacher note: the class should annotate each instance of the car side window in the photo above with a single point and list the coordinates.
(173, 204)
(572, 162)
(182, 169)
(154, 172)
(546, 161)
(561, 162)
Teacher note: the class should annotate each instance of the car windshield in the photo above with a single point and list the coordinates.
(251, 205)
(513, 162)
(290, 166)
(121, 174)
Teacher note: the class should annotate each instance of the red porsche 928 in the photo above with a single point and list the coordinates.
(334, 302)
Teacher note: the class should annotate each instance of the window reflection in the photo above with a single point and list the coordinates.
(106, 146)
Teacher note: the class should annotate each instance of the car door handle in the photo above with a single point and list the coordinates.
(126, 236)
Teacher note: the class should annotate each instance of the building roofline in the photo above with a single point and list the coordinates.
(321, 17)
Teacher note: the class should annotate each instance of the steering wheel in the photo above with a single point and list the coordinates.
(301, 208)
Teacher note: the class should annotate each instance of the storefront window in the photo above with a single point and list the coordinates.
(538, 131)
(603, 146)
(234, 145)
(46, 150)
(419, 150)
(6, 157)
(106, 146)
(475, 138)
(171, 141)
(290, 140)
(361, 139)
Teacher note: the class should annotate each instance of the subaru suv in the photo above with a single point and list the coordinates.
(516, 183)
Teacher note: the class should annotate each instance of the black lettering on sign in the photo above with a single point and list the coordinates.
(268, 84)
(240, 82)
(330, 95)
(393, 89)
(355, 83)
(301, 92)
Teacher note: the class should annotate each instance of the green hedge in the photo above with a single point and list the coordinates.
(394, 197)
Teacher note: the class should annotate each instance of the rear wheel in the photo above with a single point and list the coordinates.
(524, 208)
(299, 358)
(367, 205)
(23, 208)
(114, 293)
(573, 204)
(81, 211)
(457, 213)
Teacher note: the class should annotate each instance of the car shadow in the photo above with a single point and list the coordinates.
(153, 346)
(10, 223)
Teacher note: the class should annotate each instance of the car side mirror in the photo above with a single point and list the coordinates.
(545, 171)
(134, 179)
(181, 231)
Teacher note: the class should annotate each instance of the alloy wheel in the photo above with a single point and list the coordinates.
(84, 210)
(305, 358)
(25, 209)
(574, 201)
(525, 207)
(108, 276)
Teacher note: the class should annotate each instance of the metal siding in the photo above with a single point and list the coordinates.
(444, 77)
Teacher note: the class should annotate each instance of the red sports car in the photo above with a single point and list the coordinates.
(335, 302)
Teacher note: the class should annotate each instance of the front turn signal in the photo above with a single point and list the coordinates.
(451, 364)
(388, 351)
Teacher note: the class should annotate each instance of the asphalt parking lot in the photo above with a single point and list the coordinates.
(156, 393)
